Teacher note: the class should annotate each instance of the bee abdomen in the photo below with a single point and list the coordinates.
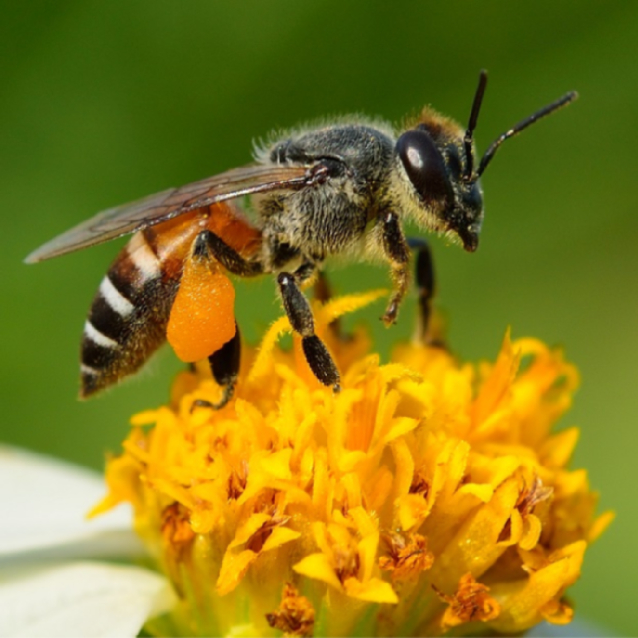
(128, 316)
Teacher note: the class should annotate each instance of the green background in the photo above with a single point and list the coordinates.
(104, 102)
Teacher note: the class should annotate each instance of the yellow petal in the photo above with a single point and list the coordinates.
(474, 547)
(317, 567)
(247, 529)
(233, 569)
(496, 386)
(522, 601)
(600, 525)
(278, 464)
(262, 363)
(335, 308)
(368, 555)
(148, 417)
(280, 536)
(532, 532)
(374, 590)
(558, 449)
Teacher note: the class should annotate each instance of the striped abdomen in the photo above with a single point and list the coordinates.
(128, 317)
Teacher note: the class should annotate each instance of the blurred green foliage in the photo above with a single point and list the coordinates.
(104, 102)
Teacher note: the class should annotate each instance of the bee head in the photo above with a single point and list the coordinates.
(439, 161)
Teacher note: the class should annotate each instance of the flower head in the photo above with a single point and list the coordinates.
(427, 495)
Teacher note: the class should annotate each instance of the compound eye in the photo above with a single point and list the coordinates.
(425, 167)
(454, 162)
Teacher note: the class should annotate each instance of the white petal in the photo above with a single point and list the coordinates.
(44, 502)
(81, 599)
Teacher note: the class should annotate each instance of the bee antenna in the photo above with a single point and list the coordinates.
(467, 139)
(568, 98)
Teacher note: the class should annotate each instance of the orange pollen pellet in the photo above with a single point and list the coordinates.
(202, 318)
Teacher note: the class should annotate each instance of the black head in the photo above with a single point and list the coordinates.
(440, 163)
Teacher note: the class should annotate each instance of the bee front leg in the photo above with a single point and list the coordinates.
(397, 253)
(300, 316)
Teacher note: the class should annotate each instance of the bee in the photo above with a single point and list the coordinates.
(343, 188)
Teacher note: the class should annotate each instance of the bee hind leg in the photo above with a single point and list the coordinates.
(300, 316)
(227, 256)
(224, 365)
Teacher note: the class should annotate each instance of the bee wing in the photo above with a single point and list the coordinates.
(129, 218)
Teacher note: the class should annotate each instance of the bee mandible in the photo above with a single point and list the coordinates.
(342, 188)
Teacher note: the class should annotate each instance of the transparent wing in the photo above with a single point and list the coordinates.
(129, 218)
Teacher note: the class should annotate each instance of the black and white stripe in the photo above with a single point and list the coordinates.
(144, 257)
(128, 317)
(115, 299)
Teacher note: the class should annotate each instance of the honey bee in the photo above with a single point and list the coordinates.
(342, 188)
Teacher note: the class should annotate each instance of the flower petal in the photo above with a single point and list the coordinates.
(318, 567)
(233, 569)
(374, 590)
(81, 599)
(47, 500)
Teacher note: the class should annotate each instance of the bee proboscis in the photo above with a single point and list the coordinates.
(342, 188)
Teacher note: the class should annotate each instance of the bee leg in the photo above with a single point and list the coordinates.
(224, 364)
(305, 272)
(228, 257)
(300, 316)
(321, 288)
(397, 253)
(424, 275)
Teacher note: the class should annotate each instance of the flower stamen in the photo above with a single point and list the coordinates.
(295, 615)
(470, 603)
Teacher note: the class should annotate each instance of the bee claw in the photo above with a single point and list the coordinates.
(389, 318)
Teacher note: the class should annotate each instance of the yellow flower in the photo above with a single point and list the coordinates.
(428, 495)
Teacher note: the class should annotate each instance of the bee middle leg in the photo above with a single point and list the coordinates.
(300, 316)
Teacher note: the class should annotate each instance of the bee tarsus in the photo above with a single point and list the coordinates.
(224, 364)
(202, 403)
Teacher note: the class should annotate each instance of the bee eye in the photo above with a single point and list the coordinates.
(424, 165)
